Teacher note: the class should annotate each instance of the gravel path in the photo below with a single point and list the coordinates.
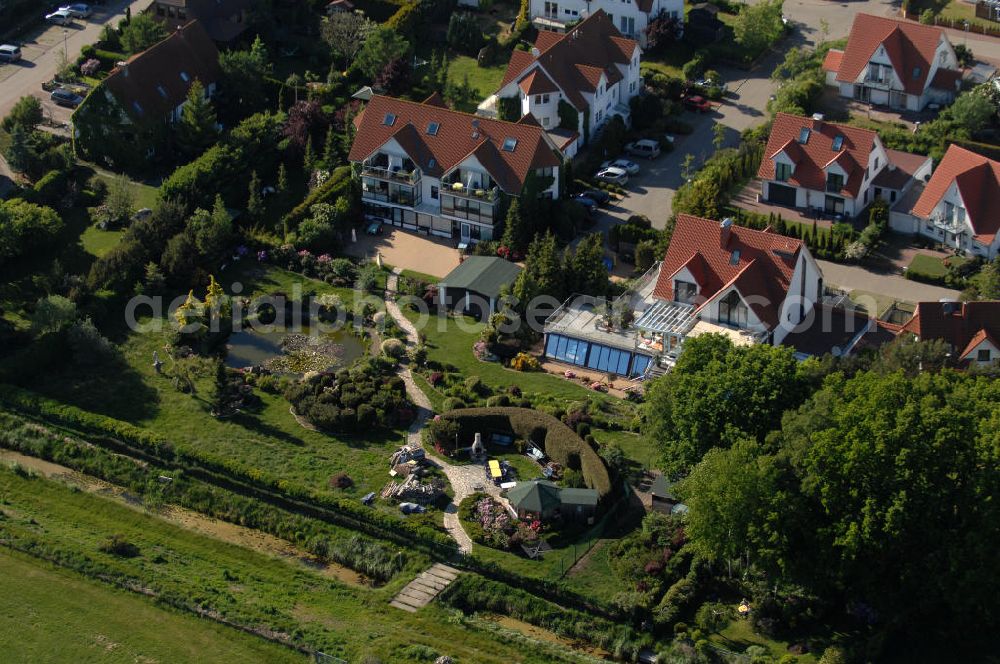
(463, 478)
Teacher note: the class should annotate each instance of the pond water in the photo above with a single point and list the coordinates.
(285, 352)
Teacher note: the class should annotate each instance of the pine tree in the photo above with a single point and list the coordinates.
(330, 149)
(196, 128)
(20, 154)
(514, 232)
(255, 204)
(309, 158)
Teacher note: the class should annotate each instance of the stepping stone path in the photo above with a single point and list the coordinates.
(424, 588)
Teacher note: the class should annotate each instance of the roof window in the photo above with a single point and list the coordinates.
(734, 258)
(838, 143)
(185, 77)
(137, 107)
(509, 144)
(389, 119)
(163, 93)
(804, 134)
(432, 129)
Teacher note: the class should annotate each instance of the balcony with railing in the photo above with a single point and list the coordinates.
(373, 189)
(391, 169)
(490, 195)
(483, 211)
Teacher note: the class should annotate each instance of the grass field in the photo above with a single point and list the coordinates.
(929, 265)
(269, 439)
(636, 447)
(242, 585)
(49, 614)
(97, 242)
(483, 80)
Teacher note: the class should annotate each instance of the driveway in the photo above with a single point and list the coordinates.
(42, 48)
(851, 278)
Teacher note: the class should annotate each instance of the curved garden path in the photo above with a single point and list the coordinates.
(461, 477)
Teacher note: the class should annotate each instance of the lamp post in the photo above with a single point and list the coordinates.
(966, 22)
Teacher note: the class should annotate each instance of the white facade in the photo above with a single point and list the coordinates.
(983, 354)
(948, 224)
(880, 84)
(626, 15)
(832, 202)
(465, 202)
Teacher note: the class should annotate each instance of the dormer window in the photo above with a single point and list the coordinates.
(838, 143)
(684, 291)
(732, 310)
(916, 73)
(834, 183)
(432, 129)
(804, 134)
(782, 171)
(389, 119)
(509, 144)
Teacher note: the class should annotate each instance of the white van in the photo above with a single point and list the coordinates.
(645, 148)
(10, 53)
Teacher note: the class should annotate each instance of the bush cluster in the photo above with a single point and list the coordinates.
(351, 400)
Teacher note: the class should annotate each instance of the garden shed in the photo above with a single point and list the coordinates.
(542, 499)
(474, 286)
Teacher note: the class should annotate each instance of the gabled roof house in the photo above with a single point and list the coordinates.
(592, 68)
(127, 116)
(428, 168)
(631, 18)
(971, 329)
(958, 206)
(835, 169)
(899, 64)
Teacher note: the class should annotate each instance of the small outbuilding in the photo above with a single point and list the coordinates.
(542, 500)
(663, 498)
(474, 286)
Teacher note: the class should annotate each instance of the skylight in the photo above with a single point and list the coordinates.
(389, 119)
(509, 144)
(185, 77)
(432, 129)
(163, 93)
(137, 107)
(804, 135)
(734, 258)
(838, 143)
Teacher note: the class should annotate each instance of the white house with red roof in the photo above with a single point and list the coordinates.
(592, 68)
(427, 168)
(899, 64)
(971, 329)
(753, 286)
(958, 206)
(836, 169)
(631, 17)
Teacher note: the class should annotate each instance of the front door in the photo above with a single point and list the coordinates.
(466, 232)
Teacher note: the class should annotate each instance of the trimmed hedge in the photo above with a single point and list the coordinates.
(335, 186)
(556, 439)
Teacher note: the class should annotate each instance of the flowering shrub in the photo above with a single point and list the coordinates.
(495, 521)
(481, 350)
(525, 362)
(90, 67)
(435, 378)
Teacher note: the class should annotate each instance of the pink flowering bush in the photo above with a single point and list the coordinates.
(90, 67)
(480, 349)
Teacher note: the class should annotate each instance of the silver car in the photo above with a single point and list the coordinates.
(613, 175)
(77, 10)
(10, 53)
(59, 17)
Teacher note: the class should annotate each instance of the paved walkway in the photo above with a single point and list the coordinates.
(851, 277)
(419, 592)
(464, 478)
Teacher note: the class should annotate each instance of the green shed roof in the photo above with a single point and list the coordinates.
(578, 497)
(662, 488)
(534, 496)
(482, 274)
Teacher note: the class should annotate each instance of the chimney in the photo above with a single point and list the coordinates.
(475, 128)
(535, 52)
(818, 121)
(725, 230)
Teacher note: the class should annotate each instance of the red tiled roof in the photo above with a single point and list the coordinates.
(575, 61)
(946, 79)
(955, 323)
(811, 158)
(902, 167)
(762, 271)
(152, 83)
(908, 45)
(455, 140)
(978, 180)
(536, 83)
(978, 338)
(832, 60)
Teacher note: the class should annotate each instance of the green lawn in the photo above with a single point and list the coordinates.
(97, 242)
(243, 585)
(593, 576)
(269, 439)
(929, 265)
(449, 341)
(483, 80)
(738, 636)
(636, 447)
(49, 614)
(145, 195)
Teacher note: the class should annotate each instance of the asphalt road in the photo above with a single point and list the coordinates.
(852, 277)
(42, 49)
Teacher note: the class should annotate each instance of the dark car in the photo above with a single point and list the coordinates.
(697, 103)
(65, 98)
(598, 196)
(588, 203)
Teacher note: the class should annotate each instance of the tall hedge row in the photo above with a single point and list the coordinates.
(556, 439)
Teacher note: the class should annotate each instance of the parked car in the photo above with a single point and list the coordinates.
(697, 103)
(77, 10)
(630, 167)
(65, 98)
(645, 148)
(59, 17)
(597, 195)
(613, 175)
(588, 203)
(10, 53)
(411, 508)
